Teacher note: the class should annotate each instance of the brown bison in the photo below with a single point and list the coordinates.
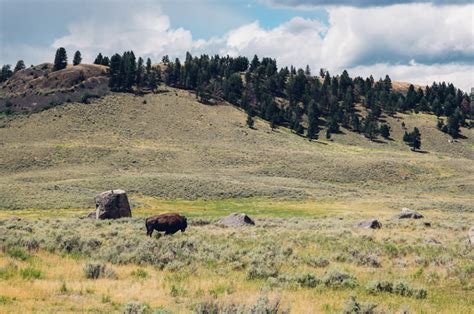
(169, 223)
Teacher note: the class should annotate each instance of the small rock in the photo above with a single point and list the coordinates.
(432, 241)
(408, 213)
(236, 220)
(369, 224)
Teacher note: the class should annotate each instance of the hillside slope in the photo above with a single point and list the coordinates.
(38, 87)
(168, 145)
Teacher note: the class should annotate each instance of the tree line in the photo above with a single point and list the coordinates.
(287, 96)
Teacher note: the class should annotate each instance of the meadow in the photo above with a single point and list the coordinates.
(172, 154)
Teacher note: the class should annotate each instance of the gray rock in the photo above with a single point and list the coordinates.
(112, 204)
(369, 224)
(407, 213)
(236, 220)
(471, 235)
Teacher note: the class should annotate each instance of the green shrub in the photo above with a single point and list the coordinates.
(94, 270)
(18, 253)
(30, 273)
(8, 271)
(139, 274)
(261, 272)
(400, 288)
(338, 279)
(136, 307)
(353, 306)
(307, 280)
(317, 262)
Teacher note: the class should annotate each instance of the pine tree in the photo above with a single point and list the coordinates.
(115, 81)
(6, 73)
(454, 123)
(140, 72)
(371, 127)
(99, 59)
(105, 61)
(60, 60)
(20, 65)
(385, 130)
(250, 121)
(413, 139)
(77, 58)
(313, 118)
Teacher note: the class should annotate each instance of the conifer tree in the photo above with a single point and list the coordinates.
(6, 73)
(77, 58)
(385, 130)
(99, 59)
(60, 60)
(20, 65)
(313, 118)
(115, 81)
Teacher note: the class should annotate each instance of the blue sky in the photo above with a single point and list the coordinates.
(419, 41)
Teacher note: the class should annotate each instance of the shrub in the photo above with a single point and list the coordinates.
(139, 274)
(136, 307)
(400, 288)
(8, 271)
(355, 307)
(375, 287)
(263, 305)
(63, 289)
(308, 280)
(30, 273)
(94, 270)
(18, 253)
(338, 279)
(317, 262)
(261, 272)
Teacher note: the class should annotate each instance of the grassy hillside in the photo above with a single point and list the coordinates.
(170, 146)
(173, 154)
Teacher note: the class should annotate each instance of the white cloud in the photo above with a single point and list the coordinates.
(148, 34)
(379, 39)
(462, 76)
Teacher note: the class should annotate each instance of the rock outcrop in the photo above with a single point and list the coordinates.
(369, 224)
(408, 213)
(236, 220)
(112, 204)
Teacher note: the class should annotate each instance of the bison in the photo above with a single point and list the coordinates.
(169, 223)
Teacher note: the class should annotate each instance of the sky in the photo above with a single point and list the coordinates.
(418, 41)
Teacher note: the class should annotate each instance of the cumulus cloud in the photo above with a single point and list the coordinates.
(147, 33)
(440, 40)
(308, 4)
(382, 40)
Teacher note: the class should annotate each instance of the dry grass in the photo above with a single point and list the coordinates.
(173, 154)
(214, 262)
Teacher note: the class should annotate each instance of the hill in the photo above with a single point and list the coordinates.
(174, 154)
(168, 145)
(38, 87)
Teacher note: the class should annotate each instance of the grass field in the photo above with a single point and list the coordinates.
(172, 154)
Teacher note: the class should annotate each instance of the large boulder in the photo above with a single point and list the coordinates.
(236, 220)
(471, 235)
(112, 204)
(369, 224)
(408, 213)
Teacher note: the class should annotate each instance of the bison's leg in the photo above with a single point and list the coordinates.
(149, 230)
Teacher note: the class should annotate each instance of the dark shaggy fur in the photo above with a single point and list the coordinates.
(169, 223)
